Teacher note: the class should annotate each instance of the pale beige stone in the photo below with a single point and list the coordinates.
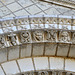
(10, 67)
(13, 52)
(26, 64)
(3, 55)
(38, 49)
(70, 65)
(56, 63)
(41, 63)
(26, 50)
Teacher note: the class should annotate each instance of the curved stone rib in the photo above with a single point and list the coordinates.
(40, 65)
(65, 3)
(35, 29)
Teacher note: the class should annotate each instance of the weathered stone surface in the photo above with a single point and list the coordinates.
(41, 63)
(66, 3)
(50, 49)
(38, 49)
(10, 67)
(26, 64)
(62, 50)
(26, 50)
(47, 28)
(70, 65)
(72, 51)
(3, 55)
(13, 52)
(56, 63)
(1, 71)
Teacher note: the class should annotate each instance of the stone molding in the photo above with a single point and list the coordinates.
(47, 73)
(65, 3)
(55, 65)
(37, 29)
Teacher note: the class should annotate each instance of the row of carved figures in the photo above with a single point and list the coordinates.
(36, 36)
(47, 73)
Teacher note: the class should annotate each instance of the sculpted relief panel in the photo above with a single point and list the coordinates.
(25, 37)
(47, 73)
(2, 42)
(33, 36)
(12, 39)
(64, 36)
(51, 35)
(38, 36)
(34, 29)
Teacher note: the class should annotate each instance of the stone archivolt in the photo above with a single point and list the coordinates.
(47, 28)
(37, 36)
(66, 3)
(47, 73)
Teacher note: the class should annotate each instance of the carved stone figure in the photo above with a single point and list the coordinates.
(38, 36)
(64, 36)
(2, 42)
(51, 35)
(25, 37)
(73, 38)
(12, 38)
(43, 73)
